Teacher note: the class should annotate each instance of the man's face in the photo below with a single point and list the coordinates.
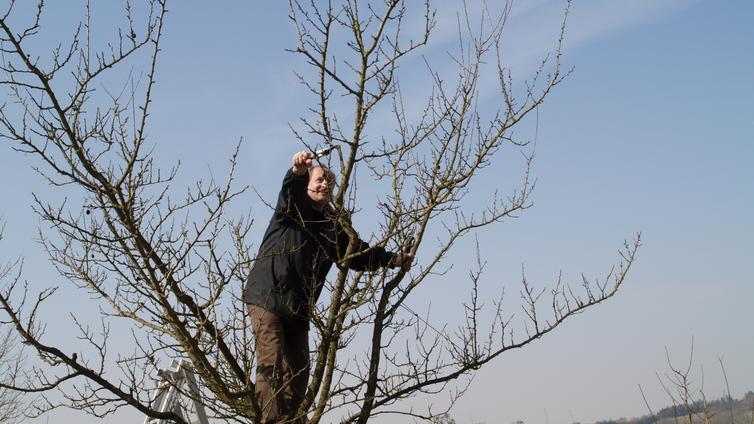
(320, 184)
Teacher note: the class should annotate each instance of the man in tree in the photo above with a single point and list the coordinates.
(301, 243)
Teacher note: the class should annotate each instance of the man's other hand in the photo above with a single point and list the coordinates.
(404, 261)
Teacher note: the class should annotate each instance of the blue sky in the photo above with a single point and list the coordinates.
(653, 132)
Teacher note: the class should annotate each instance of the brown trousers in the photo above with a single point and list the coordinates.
(282, 354)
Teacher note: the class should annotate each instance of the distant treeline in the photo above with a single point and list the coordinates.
(721, 409)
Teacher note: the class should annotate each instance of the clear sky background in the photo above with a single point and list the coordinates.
(653, 132)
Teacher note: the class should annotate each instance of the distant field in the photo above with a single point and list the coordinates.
(719, 411)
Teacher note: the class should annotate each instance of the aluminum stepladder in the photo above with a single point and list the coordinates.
(176, 392)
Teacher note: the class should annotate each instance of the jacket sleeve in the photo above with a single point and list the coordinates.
(370, 258)
(292, 193)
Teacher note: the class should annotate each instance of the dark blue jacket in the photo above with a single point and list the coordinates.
(297, 252)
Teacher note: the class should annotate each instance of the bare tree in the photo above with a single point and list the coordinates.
(685, 390)
(165, 265)
(12, 403)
